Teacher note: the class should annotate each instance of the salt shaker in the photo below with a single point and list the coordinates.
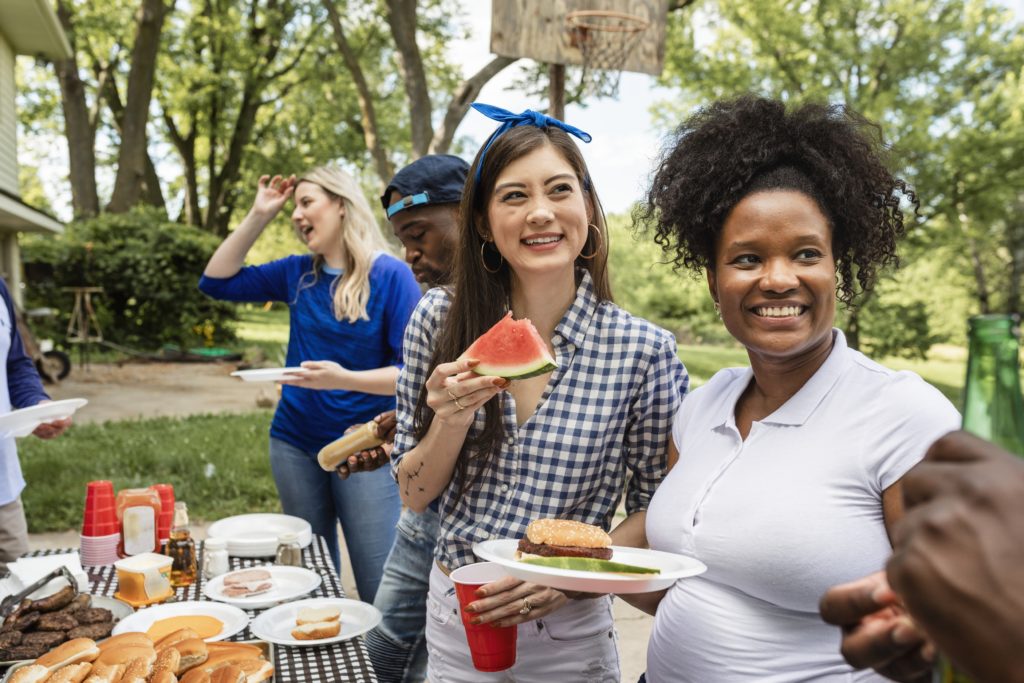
(215, 557)
(288, 551)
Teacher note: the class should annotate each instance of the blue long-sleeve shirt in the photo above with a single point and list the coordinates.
(309, 418)
(24, 389)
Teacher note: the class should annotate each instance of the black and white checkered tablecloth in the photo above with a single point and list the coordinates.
(340, 662)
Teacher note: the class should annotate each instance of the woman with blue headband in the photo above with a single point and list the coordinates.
(532, 241)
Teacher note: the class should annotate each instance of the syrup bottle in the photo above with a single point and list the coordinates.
(182, 549)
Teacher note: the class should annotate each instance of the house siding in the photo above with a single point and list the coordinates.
(8, 121)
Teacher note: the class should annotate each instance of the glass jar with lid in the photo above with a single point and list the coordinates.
(289, 553)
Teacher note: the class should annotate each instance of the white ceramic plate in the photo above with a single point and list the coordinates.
(268, 374)
(234, 619)
(673, 567)
(256, 535)
(275, 625)
(289, 583)
(24, 421)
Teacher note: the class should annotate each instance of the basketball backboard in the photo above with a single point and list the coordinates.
(537, 29)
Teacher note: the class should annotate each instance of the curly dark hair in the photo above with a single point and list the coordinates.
(732, 148)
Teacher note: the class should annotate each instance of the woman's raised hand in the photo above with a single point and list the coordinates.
(454, 391)
(272, 193)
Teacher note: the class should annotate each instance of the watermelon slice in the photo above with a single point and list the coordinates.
(511, 349)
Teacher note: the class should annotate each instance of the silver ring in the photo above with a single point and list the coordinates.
(525, 609)
(455, 399)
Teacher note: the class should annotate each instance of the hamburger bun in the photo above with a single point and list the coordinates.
(168, 659)
(33, 673)
(316, 630)
(71, 652)
(256, 670)
(105, 673)
(312, 615)
(227, 674)
(130, 638)
(124, 654)
(175, 637)
(565, 538)
(73, 673)
(192, 653)
(137, 670)
(222, 657)
(163, 677)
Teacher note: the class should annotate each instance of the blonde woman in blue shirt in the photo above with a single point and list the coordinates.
(532, 240)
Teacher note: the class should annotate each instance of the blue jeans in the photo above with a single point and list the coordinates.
(397, 647)
(367, 505)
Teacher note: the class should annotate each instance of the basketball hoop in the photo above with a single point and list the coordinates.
(605, 40)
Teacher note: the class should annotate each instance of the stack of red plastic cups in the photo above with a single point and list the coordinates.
(163, 523)
(100, 531)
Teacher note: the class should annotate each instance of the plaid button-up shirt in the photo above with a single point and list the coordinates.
(602, 426)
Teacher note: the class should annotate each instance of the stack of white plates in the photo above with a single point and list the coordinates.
(256, 535)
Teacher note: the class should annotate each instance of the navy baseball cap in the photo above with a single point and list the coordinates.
(433, 179)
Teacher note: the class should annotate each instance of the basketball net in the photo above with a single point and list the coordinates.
(605, 40)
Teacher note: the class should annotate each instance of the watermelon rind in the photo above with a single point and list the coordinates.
(509, 339)
(514, 372)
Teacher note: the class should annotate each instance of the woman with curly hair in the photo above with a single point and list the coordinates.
(788, 471)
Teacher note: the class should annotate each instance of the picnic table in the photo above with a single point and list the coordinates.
(333, 663)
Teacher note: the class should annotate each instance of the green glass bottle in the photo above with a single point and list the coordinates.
(993, 407)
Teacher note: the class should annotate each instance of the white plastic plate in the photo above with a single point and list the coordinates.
(255, 535)
(275, 625)
(289, 583)
(234, 619)
(268, 374)
(24, 421)
(673, 567)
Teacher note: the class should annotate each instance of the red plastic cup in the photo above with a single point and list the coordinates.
(99, 517)
(493, 648)
(166, 516)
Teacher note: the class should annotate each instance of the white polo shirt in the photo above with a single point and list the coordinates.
(781, 517)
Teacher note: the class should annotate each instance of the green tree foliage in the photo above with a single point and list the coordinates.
(644, 284)
(942, 78)
(148, 269)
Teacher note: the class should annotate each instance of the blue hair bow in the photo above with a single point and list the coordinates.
(509, 121)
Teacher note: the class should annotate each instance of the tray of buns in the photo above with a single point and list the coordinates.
(135, 657)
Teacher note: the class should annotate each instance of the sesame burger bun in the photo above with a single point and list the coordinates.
(73, 673)
(175, 637)
(256, 670)
(71, 652)
(565, 538)
(124, 654)
(33, 673)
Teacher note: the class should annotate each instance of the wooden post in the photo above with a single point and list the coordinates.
(556, 91)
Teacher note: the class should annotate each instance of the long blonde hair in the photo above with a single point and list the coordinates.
(360, 237)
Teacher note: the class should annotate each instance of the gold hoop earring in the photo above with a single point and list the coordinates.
(597, 248)
(483, 258)
(718, 310)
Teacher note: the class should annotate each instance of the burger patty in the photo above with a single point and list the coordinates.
(546, 550)
(94, 631)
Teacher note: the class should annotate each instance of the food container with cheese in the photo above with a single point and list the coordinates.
(144, 579)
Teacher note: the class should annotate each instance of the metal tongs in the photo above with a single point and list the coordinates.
(8, 604)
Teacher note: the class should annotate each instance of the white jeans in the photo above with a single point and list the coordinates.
(575, 643)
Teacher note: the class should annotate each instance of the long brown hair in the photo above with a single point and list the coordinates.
(479, 297)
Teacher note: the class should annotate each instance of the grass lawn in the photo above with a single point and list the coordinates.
(217, 463)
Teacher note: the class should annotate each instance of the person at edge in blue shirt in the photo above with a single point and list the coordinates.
(24, 389)
(349, 302)
(422, 204)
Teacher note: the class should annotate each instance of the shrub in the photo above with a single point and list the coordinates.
(148, 268)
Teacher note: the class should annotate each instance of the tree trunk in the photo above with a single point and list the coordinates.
(131, 158)
(977, 265)
(402, 20)
(78, 129)
(1015, 242)
(369, 114)
(186, 147)
(464, 95)
(152, 193)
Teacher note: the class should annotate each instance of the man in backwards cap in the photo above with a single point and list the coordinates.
(422, 205)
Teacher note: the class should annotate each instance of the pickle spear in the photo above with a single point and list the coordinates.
(590, 564)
